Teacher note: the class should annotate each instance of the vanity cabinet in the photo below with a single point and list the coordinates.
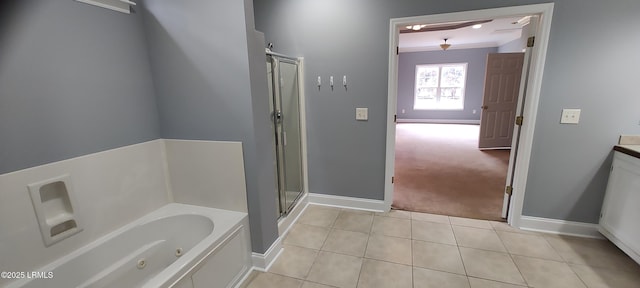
(620, 215)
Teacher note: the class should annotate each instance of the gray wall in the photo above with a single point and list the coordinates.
(209, 70)
(569, 162)
(474, 88)
(513, 46)
(517, 45)
(74, 79)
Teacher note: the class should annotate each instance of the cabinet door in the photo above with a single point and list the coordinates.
(620, 210)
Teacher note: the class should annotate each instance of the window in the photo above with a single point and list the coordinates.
(440, 87)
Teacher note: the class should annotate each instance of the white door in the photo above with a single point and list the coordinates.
(500, 99)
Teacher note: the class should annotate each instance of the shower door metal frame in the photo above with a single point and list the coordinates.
(279, 132)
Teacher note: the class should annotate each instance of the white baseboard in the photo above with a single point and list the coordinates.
(439, 121)
(262, 262)
(246, 278)
(347, 202)
(561, 227)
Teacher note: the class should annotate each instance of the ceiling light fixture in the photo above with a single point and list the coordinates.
(477, 26)
(416, 27)
(444, 45)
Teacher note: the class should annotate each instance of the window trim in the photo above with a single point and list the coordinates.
(440, 65)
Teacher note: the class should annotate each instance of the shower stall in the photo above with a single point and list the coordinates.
(285, 105)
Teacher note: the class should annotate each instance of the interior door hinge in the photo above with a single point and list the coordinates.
(530, 41)
(519, 120)
(508, 190)
(395, 118)
(393, 179)
(397, 50)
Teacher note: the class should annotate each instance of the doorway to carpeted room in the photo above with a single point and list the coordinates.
(439, 169)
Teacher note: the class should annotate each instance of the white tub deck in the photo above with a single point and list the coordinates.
(177, 245)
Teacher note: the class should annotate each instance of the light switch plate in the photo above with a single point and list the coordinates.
(362, 114)
(570, 116)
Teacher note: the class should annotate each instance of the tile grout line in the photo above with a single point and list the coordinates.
(320, 249)
(365, 250)
(578, 275)
(565, 261)
(498, 232)
(460, 253)
(512, 259)
(411, 239)
(370, 234)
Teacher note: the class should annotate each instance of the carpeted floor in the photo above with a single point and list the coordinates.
(440, 170)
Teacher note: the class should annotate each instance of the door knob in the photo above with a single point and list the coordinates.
(484, 107)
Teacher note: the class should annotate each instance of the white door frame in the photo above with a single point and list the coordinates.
(531, 102)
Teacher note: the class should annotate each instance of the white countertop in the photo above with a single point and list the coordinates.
(632, 150)
(635, 148)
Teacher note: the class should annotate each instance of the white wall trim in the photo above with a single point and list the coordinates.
(348, 202)
(262, 262)
(248, 276)
(303, 124)
(530, 112)
(439, 121)
(545, 10)
(561, 227)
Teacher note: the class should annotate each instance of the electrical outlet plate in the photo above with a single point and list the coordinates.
(362, 114)
(570, 116)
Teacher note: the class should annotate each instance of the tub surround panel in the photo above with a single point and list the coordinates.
(112, 188)
(227, 266)
(115, 187)
(207, 173)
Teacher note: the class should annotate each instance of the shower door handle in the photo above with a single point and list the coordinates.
(277, 116)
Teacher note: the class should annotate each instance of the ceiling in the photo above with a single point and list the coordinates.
(491, 34)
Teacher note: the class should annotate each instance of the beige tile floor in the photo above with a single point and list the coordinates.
(331, 247)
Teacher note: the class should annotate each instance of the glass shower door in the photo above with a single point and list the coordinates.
(286, 118)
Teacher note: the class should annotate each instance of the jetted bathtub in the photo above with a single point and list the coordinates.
(177, 245)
